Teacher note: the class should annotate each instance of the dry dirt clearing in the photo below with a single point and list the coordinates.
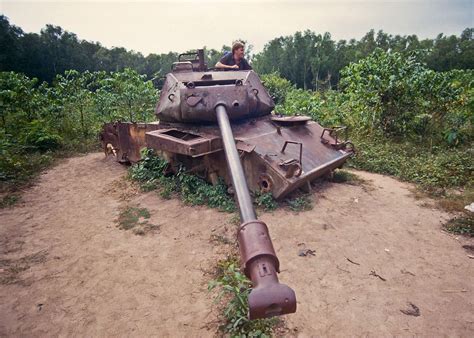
(67, 270)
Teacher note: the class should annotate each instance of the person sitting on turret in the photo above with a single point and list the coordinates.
(234, 60)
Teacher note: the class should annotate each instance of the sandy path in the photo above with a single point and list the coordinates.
(93, 279)
(384, 229)
(97, 280)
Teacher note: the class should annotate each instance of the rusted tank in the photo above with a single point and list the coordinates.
(220, 124)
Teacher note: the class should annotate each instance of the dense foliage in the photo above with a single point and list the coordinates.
(398, 95)
(150, 172)
(314, 61)
(307, 59)
(405, 119)
(37, 119)
(54, 51)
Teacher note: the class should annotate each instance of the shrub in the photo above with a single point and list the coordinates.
(397, 95)
(40, 137)
(150, 173)
(277, 86)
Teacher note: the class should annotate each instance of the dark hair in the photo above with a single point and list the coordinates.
(237, 45)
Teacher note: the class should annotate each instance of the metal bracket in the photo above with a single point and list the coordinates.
(333, 132)
(301, 150)
(293, 167)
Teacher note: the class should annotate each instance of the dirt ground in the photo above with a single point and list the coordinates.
(67, 270)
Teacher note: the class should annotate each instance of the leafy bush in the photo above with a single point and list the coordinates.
(397, 95)
(150, 172)
(65, 115)
(40, 137)
(277, 86)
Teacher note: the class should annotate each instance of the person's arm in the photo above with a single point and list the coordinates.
(221, 65)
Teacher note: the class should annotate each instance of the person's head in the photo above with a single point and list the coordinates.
(238, 50)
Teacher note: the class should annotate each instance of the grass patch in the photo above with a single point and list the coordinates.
(301, 203)
(9, 200)
(463, 225)
(233, 288)
(135, 219)
(430, 168)
(131, 216)
(344, 176)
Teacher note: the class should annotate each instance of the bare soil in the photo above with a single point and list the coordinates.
(382, 264)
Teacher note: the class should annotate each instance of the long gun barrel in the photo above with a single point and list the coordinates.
(260, 264)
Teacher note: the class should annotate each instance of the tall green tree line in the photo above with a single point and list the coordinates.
(315, 61)
(307, 59)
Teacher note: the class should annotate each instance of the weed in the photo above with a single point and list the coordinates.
(265, 200)
(234, 288)
(301, 203)
(9, 201)
(344, 176)
(235, 219)
(136, 219)
(463, 225)
(221, 239)
(454, 202)
(150, 173)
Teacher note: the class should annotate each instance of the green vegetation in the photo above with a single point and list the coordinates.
(344, 176)
(233, 290)
(39, 122)
(131, 216)
(405, 119)
(307, 59)
(9, 200)
(431, 168)
(135, 219)
(150, 172)
(315, 61)
(265, 201)
(463, 225)
(301, 203)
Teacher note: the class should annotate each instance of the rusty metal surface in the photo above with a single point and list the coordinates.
(189, 96)
(258, 151)
(126, 138)
(259, 261)
(174, 140)
(266, 160)
(290, 120)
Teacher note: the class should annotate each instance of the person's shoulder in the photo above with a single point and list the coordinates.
(226, 58)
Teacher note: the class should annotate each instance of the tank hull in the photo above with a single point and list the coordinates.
(277, 157)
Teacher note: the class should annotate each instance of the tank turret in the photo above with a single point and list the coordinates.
(190, 96)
